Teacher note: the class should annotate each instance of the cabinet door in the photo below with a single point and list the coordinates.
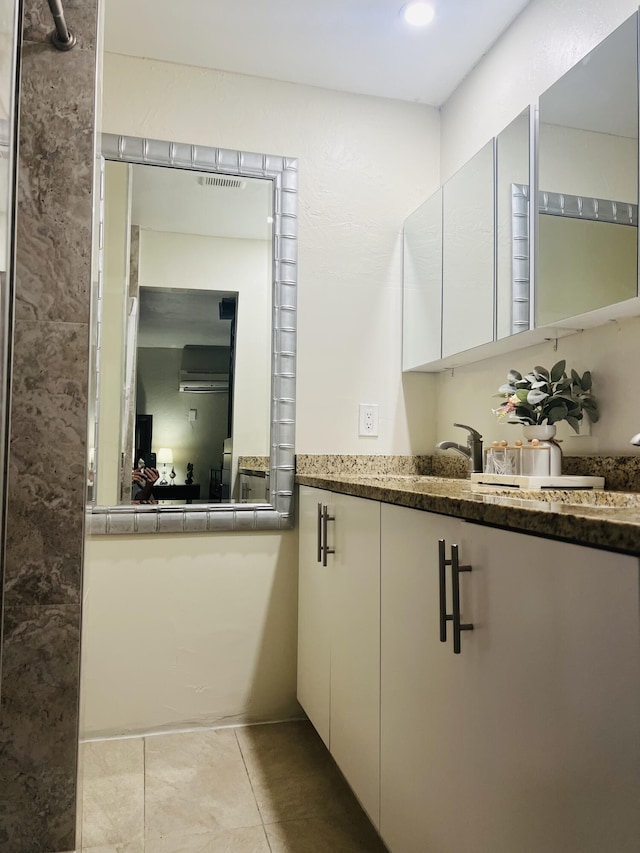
(555, 654)
(314, 640)
(422, 285)
(427, 721)
(468, 255)
(355, 646)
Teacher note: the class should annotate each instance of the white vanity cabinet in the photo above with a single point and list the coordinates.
(529, 739)
(314, 612)
(339, 633)
(253, 486)
(427, 719)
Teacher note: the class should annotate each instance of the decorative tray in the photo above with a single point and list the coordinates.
(521, 481)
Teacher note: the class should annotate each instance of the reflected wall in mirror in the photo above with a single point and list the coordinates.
(194, 314)
(512, 235)
(588, 154)
(187, 274)
(422, 285)
(188, 335)
(468, 255)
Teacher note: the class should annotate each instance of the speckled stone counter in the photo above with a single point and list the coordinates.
(609, 520)
(253, 463)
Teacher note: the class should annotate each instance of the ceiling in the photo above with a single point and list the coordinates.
(185, 202)
(360, 46)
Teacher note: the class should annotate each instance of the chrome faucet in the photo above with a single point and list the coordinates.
(473, 450)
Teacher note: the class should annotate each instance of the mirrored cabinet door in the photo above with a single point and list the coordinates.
(587, 227)
(422, 285)
(468, 255)
(512, 227)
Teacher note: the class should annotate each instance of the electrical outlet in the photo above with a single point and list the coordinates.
(368, 419)
(193, 414)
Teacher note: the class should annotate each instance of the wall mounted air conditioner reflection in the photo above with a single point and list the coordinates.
(205, 369)
(206, 384)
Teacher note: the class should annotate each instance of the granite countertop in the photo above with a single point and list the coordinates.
(253, 464)
(601, 519)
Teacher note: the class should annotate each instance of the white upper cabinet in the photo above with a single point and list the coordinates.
(526, 256)
(468, 306)
(422, 285)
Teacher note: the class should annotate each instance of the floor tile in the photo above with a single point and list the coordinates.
(321, 836)
(316, 795)
(248, 840)
(135, 847)
(113, 794)
(282, 750)
(196, 783)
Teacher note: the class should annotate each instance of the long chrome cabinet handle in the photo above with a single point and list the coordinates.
(319, 551)
(325, 548)
(442, 576)
(456, 568)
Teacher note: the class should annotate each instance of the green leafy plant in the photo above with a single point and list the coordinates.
(547, 396)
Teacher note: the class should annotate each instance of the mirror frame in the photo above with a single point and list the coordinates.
(520, 260)
(204, 518)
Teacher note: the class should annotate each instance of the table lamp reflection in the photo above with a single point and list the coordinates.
(165, 457)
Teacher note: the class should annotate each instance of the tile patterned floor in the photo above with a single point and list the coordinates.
(258, 789)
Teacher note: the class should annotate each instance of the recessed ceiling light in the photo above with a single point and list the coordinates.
(418, 13)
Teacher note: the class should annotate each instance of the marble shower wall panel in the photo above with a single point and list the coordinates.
(47, 437)
(39, 728)
(53, 262)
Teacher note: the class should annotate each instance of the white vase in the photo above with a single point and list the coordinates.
(549, 462)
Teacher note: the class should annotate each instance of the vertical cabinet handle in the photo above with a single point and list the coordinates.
(454, 617)
(325, 547)
(319, 551)
(322, 546)
(442, 577)
(458, 627)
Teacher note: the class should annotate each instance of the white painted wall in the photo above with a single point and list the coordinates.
(184, 631)
(543, 43)
(209, 623)
(365, 164)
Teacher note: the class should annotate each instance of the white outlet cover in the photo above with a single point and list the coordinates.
(368, 419)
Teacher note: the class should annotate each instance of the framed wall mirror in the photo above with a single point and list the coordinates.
(587, 222)
(194, 338)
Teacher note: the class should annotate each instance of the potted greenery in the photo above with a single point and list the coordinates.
(544, 397)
